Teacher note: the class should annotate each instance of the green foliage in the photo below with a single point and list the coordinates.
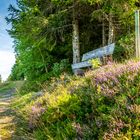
(0, 79)
(125, 48)
(29, 86)
(95, 63)
(102, 105)
(36, 84)
(17, 72)
(36, 49)
(6, 86)
(59, 68)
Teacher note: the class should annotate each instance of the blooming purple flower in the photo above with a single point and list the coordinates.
(107, 77)
(36, 111)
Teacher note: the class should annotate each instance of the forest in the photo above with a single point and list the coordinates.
(44, 32)
(51, 102)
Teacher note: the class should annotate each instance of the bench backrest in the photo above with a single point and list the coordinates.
(100, 52)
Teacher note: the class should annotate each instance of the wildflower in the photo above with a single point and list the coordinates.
(36, 111)
(108, 76)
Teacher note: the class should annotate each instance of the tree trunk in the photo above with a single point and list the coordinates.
(111, 30)
(75, 42)
(75, 38)
(103, 33)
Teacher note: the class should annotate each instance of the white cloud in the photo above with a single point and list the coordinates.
(7, 60)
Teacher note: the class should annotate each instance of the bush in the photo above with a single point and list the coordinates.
(95, 63)
(59, 68)
(125, 48)
(30, 86)
(105, 104)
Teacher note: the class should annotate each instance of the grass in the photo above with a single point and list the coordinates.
(10, 85)
(6, 86)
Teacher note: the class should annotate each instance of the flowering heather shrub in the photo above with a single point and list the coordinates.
(108, 79)
(36, 112)
(102, 105)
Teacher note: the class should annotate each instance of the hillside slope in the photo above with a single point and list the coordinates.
(104, 105)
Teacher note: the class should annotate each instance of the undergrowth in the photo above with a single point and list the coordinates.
(104, 105)
(6, 86)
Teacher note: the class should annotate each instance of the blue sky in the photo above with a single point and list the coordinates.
(7, 58)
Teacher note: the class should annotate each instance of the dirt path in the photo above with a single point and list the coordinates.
(6, 117)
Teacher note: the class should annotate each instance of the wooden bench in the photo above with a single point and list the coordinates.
(98, 53)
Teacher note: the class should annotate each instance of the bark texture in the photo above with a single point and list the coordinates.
(103, 33)
(75, 37)
(75, 42)
(111, 30)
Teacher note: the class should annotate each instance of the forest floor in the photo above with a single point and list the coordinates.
(6, 115)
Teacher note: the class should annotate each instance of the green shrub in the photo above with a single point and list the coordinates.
(95, 63)
(29, 86)
(59, 68)
(125, 48)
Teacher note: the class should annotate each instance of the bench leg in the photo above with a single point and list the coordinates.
(79, 72)
(106, 59)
